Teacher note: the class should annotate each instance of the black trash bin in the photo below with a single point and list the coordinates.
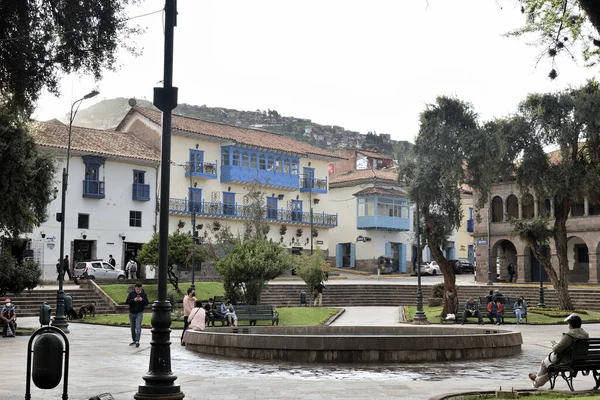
(45, 311)
(303, 298)
(68, 303)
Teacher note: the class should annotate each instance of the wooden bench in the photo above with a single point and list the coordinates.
(256, 313)
(584, 358)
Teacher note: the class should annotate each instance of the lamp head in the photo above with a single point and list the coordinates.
(91, 94)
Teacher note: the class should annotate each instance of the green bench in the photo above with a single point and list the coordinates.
(585, 358)
(256, 313)
(507, 310)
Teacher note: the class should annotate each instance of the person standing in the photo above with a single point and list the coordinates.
(130, 269)
(318, 293)
(511, 272)
(112, 261)
(560, 351)
(189, 301)
(66, 267)
(137, 301)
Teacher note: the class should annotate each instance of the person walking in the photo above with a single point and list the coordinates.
(111, 260)
(318, 294)
(511, 272)
(137, 301)
(129, 269)
(189, 301)
(66, 267)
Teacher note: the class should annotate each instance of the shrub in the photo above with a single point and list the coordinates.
(435, 302)
(15, 277)
(438, 291)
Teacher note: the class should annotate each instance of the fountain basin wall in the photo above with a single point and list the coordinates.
(355, 344)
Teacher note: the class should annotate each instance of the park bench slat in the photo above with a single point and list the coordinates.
(585, 358)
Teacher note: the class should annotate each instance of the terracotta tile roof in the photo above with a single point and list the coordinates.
(365, 175)
(374, 154)
(239, 135)
(92, 141)
(381, 191)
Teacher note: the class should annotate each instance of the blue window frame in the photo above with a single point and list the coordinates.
(225, 156)
(197, 160)
(296, 210)
(271, 207)
(140, 190)
(93, 186)
(139, 176)
(309, 177)
(195, 199)
(228, 203)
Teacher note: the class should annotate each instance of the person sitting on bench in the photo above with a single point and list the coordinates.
(9, 318)
(560, 351)
(228, 311)
(471, 310)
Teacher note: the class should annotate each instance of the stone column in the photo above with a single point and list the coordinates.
(524, 267)
(505, 208)
(586, 207)
(536, 207)
(593, 266)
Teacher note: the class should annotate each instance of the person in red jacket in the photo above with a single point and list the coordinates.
(495, 310)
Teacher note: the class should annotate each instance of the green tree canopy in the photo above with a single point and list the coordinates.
(249, 265)
(27, 178)
(312, 269)
(39, 39)
(451, 150)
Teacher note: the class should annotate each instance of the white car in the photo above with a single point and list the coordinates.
(430, 268)
(98, 270)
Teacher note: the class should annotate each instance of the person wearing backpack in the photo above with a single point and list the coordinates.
(131, 269)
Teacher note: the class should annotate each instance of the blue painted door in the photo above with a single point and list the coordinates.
(296, 210)
(471, 254)
(402, 258)
(427, 254)
(195, 196)
(352, 255)
(271, 207)
(308, 176)
(228, 203)
(339, 254)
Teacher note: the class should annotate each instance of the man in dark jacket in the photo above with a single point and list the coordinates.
(137, 301)
(471, 310)
(560, 351)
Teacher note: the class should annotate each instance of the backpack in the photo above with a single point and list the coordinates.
(133, 267)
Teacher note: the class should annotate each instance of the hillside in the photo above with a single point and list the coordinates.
(107, 114)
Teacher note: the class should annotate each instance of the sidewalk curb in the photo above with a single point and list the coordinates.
(334, 317)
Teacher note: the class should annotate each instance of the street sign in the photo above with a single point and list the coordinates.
(481, 241)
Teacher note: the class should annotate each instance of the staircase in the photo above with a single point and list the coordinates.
(372, 295)
(28, 303)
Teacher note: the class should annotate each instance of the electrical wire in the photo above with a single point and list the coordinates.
(126, 19)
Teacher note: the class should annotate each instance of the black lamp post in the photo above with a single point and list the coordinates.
(541, 300)
(60, 320)
(159, 380)
(420, 317)
(489, 245)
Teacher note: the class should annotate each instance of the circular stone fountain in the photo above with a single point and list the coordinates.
(355, 344)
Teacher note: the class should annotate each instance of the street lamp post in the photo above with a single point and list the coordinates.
(541, 300)
(159, 381)
(420, 317)
(489, 245)
(190, 169)
(60, 320)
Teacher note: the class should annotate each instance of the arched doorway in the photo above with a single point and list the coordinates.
(579, 260)
(504, 252)
(497, 209)
(512, 206)
(527, 206)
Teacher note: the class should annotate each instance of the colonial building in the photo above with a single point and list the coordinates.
(226, 162)
(111, 196)
(508, 202)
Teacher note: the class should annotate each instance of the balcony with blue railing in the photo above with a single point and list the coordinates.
(268, 178)
(470, 225)
(309, 183)
(207, 170)
(140, 191)
(237, 211)
(383, 222)
(93, 189)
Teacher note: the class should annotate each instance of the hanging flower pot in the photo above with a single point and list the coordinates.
(282, 230)
(299, 232)
(315, 233)
(280, 197)
(316, 201)
(216, 226)
(180, 224)
(199, 226)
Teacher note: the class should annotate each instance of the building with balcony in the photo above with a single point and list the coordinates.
(465, 247)
(374, 220)
(358, 159)
(215, 165)
(111, 196)
(508, 202)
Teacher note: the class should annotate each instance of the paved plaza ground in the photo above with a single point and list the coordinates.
(101, 361)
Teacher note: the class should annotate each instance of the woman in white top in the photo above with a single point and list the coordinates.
(197, 318)
(189, 301)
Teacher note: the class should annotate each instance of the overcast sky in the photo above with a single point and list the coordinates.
(366, 66)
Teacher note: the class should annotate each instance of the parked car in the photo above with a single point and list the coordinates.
(462, 267)
(430, 268)
(97, 270)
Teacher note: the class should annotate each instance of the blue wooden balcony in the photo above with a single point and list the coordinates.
(237, 211)
(140, 191)
(93, 189)
(383, 222)
(309, 183)
(470, 225)
(205, 170)
(239, 174)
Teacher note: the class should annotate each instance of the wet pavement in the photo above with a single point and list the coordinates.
(101, 361)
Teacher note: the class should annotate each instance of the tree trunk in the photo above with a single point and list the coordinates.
(450, 293)
(561, 282)
(592, 9)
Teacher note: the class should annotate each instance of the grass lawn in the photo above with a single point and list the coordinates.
(288, 316)
(532, 318)
(535, 396)
(204, 291)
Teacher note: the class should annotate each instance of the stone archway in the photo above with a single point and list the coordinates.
(497, 209)
(504, 252)
(579, 260)
(512, 206)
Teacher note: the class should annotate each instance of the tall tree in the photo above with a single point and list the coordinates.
(569, 122)
(563, 26)
(451, 150)
(26, 181)
(39, 39)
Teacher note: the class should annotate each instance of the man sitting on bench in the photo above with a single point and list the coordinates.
(471, 310)
(560, 351)
(8, 317)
